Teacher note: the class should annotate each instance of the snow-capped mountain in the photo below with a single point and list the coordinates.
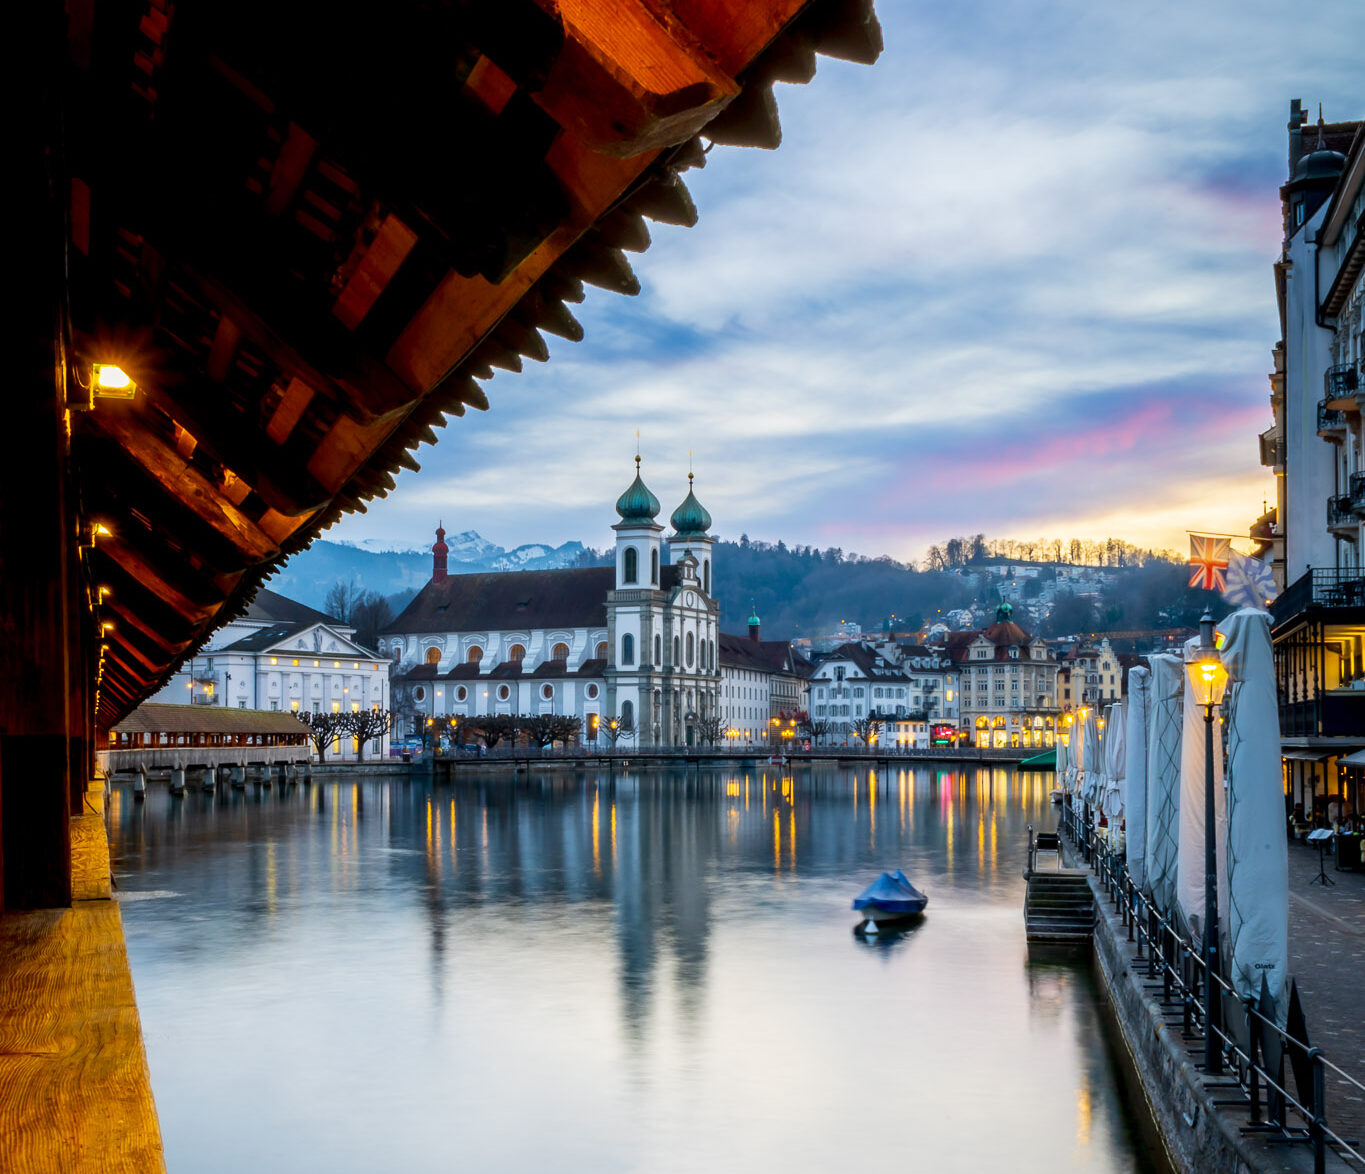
(392, 565)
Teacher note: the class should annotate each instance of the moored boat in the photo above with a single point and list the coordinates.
(888, 899)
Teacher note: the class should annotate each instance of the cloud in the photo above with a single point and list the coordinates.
(1015, 278)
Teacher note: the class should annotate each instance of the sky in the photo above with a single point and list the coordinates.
(1015, 278)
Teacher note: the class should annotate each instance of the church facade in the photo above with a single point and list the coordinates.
(635, 642)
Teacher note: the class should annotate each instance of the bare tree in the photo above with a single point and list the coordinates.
(342, 599)
(545, 729)
(866, 728)
(323, 729)
(613, 728)
(710, 729)
(813, 729)
(365, 724)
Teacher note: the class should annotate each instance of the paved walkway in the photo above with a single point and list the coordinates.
(1327, 957)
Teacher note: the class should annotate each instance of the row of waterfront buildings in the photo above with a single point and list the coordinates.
(638, 646)
(1314, 534)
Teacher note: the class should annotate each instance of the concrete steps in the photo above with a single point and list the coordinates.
(1059, 909)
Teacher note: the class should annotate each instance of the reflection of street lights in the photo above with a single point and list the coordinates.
(1208, 678)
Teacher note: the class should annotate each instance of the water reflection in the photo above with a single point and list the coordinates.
(646, 971)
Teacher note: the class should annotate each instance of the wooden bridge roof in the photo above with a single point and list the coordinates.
(309, 231)
(155, 718)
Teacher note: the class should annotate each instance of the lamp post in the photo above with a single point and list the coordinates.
(1208, 678)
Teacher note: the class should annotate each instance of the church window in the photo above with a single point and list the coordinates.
(627, 649)
(461, 693)
(654, 567)
(547, 691)
(677, 659)
(658, 649)
(630, 572)
(627, 715)
(591, 692)
(690, 650)
(560, 651)
(706, 576)
(474, 655)
(433, 656)
(418, 694)
(504, 692)
(517, 653)
(601, 651)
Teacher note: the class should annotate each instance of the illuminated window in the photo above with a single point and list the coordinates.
(355, 706)
(273, 660)
(559, 652)
(296, 662)
(601, 651)
(355, 664)
(336, 706)
(336, 664)
(517, 653)
(317, 664)
(474, 655)
(433, 656)
(294, 706)
(547, 691)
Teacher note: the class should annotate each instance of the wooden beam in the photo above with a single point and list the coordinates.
(187, 484)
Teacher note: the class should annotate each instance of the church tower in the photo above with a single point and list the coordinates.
(690, 523)
(634, 620)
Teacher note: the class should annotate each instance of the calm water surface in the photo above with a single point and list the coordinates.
(655, 973)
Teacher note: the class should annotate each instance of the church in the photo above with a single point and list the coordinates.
(634, 642)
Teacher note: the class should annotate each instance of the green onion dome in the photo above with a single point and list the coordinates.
(690, 518)
(637, 504)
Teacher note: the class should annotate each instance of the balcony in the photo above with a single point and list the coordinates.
(1342, 385)
(1339, 515)
(1323, 587)
(1272, 449)
(1331, 422)
(1338, 713)
(1357, 494)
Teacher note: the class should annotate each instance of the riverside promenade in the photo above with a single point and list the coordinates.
(1202, 1118)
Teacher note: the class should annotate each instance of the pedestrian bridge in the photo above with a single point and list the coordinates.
(156, 738)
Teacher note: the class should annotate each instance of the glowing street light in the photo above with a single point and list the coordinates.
(108, 381)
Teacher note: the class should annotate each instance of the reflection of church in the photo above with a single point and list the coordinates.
(635, 641)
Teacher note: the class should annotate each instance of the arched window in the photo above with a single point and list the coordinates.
(658, 649)
(627, 715)
(630, 572)
(560, 651)
(689, 649)
(600, 652)
(433, 656)
(677, 660)
(706, 576)
(517, 653)
(627, 649)
(397, 654)
(474, 655)
(654, 567)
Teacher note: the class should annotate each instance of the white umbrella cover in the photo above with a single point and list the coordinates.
(1135, 771)
(1115, 762)
(1257, 851)
(1063, 763)
(1073, 757)
(1092, 779)
(1166, 716)
(1190, 871)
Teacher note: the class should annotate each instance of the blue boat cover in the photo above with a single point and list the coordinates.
(893, 891)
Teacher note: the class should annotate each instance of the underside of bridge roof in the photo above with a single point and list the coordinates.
(309, 231)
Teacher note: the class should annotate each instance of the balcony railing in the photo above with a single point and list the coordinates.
(1339, 713)
(1339, 512)
(1330, 419)
(1321, 587)
(1341, 384)
(1272, 450)
(1358, 492)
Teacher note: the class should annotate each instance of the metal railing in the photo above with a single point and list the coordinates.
(1330, 419)
(1341, 382)
(1166, 954)
(1321, 586)
(1339, 512)
(1357, 491)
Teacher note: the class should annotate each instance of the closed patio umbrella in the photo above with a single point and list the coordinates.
(1135, 770)
(1257, 851)
(1189, 881)
(1166, 724)
(1091, 762)
(1115, 763)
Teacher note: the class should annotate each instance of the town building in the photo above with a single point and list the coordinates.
(1316, 446)
(764, 685)
(635, 641)
(1008, 684)
(281, 655)
(1089, 675)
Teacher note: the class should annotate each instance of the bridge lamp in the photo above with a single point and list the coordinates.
(1208, 679)
(109, 381)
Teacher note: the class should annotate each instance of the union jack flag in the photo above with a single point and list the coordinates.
(1209, 561)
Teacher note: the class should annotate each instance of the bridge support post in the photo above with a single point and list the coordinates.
(237, 777)
(177, 780)
(306, 772)
(139, 785)
(209, 779)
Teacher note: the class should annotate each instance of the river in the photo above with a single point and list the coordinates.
(655, 972)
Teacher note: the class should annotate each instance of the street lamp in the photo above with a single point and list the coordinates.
(1208, 679)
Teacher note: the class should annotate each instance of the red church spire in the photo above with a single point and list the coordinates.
(438, 556)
